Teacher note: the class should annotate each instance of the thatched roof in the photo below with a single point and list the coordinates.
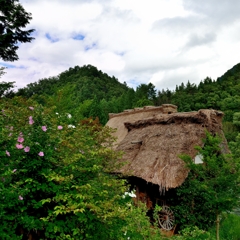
(116, 120)
(152, 145)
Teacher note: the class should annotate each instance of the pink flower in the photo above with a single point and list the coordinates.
(41, 154)
(60, 127)
(44, 128)
(8, 153)
(19, 146)
(14, 170)
(10, 134)
(31, 120)
(20, 197)
(26, 149)
(31, 108)
(20, 139)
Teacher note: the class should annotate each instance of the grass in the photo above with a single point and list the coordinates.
(229, 230)
(229, 227)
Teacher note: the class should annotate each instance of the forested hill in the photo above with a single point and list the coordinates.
(85, 82)
(221, 94)
(88, 92)
(233, 72)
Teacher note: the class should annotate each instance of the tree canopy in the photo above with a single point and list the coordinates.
(13, 19)
(5, 89)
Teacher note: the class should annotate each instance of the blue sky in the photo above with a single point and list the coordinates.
(165, 42)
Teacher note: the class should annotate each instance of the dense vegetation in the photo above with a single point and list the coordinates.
(56, 165)
(211, 188)
(55, 181)
(221, 94)
(84, 92)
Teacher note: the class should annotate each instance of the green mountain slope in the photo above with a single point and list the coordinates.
(88, 92)
(82, 91)
(86, 82)
(233, 72)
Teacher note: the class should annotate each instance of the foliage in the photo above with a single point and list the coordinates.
(70, 89)
(2, 71)
(222, 94)
(211, 187)
(229, 227)
(87, 82)
(235, 148)
(236, 119)
(145, 92)
(193, 233)
(5, 89)
(143, 102)
(12, 19)
(79, 85)
(55, 181)
(139, 227)
(230, 131)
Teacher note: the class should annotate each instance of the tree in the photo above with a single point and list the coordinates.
(5, 89)
(145, 91)
(2, 71)
(96, 111)
(13, 18)
(211, 187)
(235, 147)
(143, 102)
(236, 119)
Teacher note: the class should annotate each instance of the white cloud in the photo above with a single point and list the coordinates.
(165, 42)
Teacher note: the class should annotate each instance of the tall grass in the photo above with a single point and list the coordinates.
(229, 227)
(229, 230)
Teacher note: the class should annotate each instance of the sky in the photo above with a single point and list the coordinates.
(165, 42)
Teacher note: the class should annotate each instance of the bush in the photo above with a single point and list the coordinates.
(193, 233)
(55, 181)
(210, 188)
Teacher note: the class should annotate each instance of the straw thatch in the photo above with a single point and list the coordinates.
(116, 121)
(152, 145)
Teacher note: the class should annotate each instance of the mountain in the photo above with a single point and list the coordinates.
(88, 92)
(233, 72)
(86, 82)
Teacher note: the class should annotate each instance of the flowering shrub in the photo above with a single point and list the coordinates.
(54, 180)
(130, 194)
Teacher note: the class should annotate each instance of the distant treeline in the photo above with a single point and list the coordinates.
(88, 92)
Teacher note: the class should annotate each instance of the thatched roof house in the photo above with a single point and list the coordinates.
(153, 137)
